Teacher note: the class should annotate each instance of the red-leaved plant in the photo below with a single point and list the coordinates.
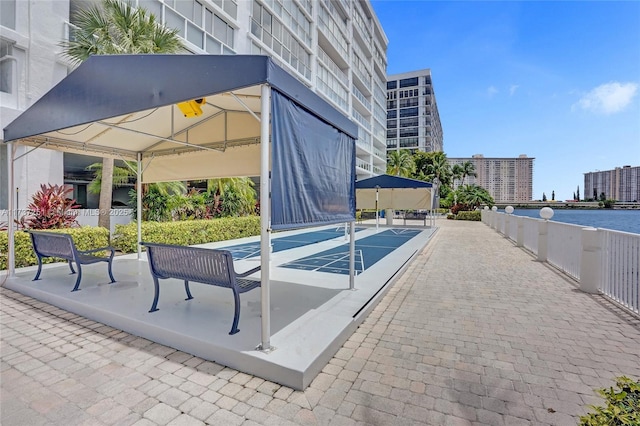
(50, 209)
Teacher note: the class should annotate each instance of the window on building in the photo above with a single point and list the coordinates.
(408, 132)
(408, 82)
(408, 142)
(392, 113)
(392, 85)
(8, 14)
(409, 112)
(7, 66)
(392, 124)
(410, 102)
(392, 133)
(409, 122)
(277, 37)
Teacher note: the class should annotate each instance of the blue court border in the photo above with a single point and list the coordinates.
(369, 250)
(247, 250)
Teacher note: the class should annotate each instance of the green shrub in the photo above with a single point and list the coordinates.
(622, 405)
(85, 238)
(187, 232)
(465, 215)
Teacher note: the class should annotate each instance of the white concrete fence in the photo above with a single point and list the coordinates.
(601, 260)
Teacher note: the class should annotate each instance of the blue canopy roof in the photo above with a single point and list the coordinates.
(388, 181)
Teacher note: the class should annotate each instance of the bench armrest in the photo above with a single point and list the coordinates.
(249, 272)
(109, 248)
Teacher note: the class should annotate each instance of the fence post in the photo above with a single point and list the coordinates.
(590, 262)
(520, 233)
(543, 226)
(507, 225)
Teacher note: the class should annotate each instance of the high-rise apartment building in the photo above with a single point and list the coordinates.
(620, 184)
(413, 121)
(506, 179)
(335, 47)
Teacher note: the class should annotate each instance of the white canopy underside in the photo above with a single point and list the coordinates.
(222, 142)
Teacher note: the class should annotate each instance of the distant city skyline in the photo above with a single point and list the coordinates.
(557, 81)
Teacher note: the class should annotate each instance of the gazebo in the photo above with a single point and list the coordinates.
(190, 117)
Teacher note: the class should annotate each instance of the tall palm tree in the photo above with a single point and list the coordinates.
(440, 168)
(456, 173)
(115, 27)
(400, 163)
(468, 169)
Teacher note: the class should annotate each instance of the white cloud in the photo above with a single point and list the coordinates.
(513, 88)
(491, 91)
(608, 98)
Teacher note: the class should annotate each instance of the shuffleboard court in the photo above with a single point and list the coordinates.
(369, 250)
(245, 251)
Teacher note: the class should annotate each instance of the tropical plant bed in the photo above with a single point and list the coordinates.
(622, 405)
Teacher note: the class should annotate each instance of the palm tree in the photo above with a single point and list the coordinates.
(474, 195)
(440, 168)
(115, 27)
(241, 188)
(456, 172)
(400, 163)
(468, 169)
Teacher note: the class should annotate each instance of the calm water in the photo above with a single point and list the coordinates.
(618, 220)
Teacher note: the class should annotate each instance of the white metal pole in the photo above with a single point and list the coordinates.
(11, 255)
(352, 256)
(377, 188)
(139, 204)
(265, 222)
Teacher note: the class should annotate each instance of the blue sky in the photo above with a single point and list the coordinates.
(558, 81)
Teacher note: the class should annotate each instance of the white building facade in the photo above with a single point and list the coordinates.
(506, 179)
(620, 184)
(413, 121)
(337, 48)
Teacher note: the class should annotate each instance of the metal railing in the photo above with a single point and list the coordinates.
(601, 260)
(620, 279)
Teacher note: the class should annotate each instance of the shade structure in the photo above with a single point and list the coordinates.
(126, 107)
(121, 105)
(393, 192)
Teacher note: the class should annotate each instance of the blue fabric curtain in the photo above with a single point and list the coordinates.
(313, 169)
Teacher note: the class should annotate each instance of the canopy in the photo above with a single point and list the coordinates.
(393, 192)
(192, 117)
(121, 105)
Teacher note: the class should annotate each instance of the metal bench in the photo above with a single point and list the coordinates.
(207, 266)
(416, 216)
(52, 244)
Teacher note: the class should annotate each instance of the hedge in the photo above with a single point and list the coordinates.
(187, 232)
(464, 215)
(85, 238)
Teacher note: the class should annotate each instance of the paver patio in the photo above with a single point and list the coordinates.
(475, 332)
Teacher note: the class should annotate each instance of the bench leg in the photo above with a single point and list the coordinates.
(71, 267)
(39, 269)
(113, 280)
(236, 315)
(186, 287)
(155, 297)
(77, 286)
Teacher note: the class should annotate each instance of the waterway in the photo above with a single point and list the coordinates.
(617, 220)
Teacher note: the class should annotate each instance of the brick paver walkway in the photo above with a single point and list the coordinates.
(475, 332)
